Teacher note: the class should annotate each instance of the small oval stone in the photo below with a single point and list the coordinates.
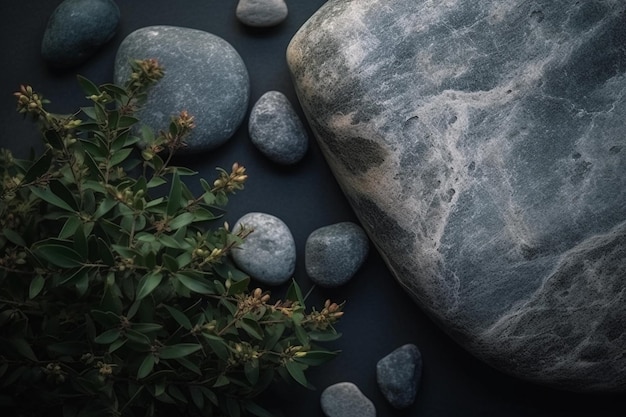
(76, 29)
(261, 13)
(268, 254)
(399, 374)
(345, 399)
(276, 130)
(334, 253)
(204, 75)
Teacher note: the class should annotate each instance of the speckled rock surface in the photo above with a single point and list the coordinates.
(76, 29)
(204, 75)
(334, 253)
(276, 130)
(345, 399)
(268, 254)
(261, 13)
(482, 145)
(399, 374)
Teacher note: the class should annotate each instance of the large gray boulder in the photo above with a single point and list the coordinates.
(483, 146)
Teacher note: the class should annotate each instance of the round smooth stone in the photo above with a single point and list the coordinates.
(204, 75)
(261, 13)
(76, 29)
(399, 374)
(268, 254)
(276, 130)
(345, 399)
(334, 253)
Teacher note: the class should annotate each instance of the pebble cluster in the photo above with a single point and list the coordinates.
(213, 84)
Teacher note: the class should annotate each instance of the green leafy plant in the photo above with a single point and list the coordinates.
(118, 301)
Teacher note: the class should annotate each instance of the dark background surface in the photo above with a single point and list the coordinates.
(379, 315)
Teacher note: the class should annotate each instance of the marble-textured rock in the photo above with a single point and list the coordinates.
(399, 374)
(276, 130)
(261, 13)
(76, 29)
(204, 75)
(345, 399)
(268, 254)
(483, 146)
(334, 253)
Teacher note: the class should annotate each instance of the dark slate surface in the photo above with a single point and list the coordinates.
(481, 145)
(379, 315)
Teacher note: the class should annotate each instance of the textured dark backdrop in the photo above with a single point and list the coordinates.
(379, 316)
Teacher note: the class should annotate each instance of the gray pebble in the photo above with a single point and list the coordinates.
(204, 75)
(268, 254)
(76, 29)
(398, 375)
(261, 13)
(346, 400)
(276, 130)
(334, 253)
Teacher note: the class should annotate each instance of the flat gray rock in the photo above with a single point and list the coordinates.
(276, 130)
(399, 374)
(268, 254)
(76, 29)
(483, 146)
(204, 75)
(261, 13)
(345, 399)
(334, 253)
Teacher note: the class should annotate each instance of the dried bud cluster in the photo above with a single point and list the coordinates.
(144, 72)
(231, 182)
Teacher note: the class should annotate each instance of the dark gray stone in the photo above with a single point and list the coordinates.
(261, 13)
(345, 399)
(334, 253)
(399, 374)
(268, 254)
(204, 75)
(276, 130)
(482, 145)
(76, 29)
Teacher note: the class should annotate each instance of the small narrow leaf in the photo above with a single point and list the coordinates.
(147, 365)
(179, 351)
(89, 88)
(13, 237)
(36, 285)
(179, 316)
(296, 371)
(193, 284)
(58, 255)
(147, 284)
(38, 168)
(173, 198)
(108, 337)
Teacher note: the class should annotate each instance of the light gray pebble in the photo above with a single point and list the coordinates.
(261, 13)
(268, 254)
(276, 130)
(76, 29)
(345, 399)
(334, 253)
(399, 374)
(204, 75)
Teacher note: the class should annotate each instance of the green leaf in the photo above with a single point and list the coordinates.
(13, 237)
(87, 86)
(316, 357)
(273, 334)
(252, 328)
(180, 317)
(251, 370)
(174, 197)
(120, 156)
(105, 253)
(61, 191)
(108, 337)
(170, 263)
(179, 351)
(196, 396)
(70, 227)
(80, 242)
(294, 293)
(232, 406)
(58, 255)
(296, 371)
(328, 336)
(147, 284)
(181, 221)
(36, 285)
(302, 335)
(221, 381)
(49, 197)
(23, 348)
(105, 318)
(104, 207)
(193, 284)
(117, 344)
(218, 346)
(38, 168)
(156, 182)
(127, 121)
(189, 365)
(147, 365)
(238, 287)
(257, 410)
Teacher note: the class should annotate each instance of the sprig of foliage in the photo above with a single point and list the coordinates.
(117, 302)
